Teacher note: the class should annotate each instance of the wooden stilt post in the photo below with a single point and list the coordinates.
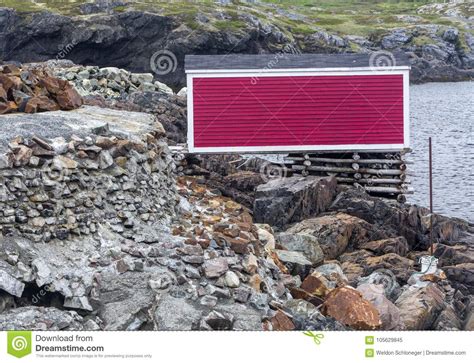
(431, 195)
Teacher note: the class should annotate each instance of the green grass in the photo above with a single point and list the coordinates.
(422, 40)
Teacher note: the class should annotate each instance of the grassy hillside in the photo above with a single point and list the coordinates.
(343, 17)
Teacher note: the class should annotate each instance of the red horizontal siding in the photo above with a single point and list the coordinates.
(298, 110)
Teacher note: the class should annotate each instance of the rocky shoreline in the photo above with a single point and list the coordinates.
(104, 228)
(125, 37)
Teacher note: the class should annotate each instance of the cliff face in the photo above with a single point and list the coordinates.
(439, 40)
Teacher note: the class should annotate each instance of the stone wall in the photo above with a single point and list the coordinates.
(67, 172)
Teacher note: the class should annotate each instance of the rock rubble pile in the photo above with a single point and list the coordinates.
(34, 90)
(108, 82)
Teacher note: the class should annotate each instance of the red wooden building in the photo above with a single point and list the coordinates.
(296, 103)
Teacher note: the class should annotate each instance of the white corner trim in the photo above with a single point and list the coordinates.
(190, 111)
(406, 109)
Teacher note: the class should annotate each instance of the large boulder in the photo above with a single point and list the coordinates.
(462, 276)
(419, 307)
(306, 244)
(389, 313)
(396, 245)
(401, 267)
(347, 306)
(397, 219)
(335, 232)
(306, 316)
(287, 200)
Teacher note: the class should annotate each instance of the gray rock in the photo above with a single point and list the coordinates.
(78, 302)
(296, 262)
(40, 318)
(10, 284)
(333, 275)
(231, 279)
(216, 320)
(176, 314)
(306, 316)
(451, 35)
(288, 200)
(126, 302)
(215, 267)
(105, 159)
(395, 39)
(304, 243)
(336, 232)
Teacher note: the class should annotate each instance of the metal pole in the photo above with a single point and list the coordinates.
(431, 195)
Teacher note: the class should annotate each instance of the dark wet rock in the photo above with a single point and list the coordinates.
(461, 275)
(287, 200)
(296, 262)
(453, 255)
(397, 219)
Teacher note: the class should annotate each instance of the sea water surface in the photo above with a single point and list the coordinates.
(444, 111)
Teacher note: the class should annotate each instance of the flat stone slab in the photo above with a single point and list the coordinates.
(80, 122)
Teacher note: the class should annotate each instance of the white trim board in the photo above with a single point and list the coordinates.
(282, 73)
(299, 70)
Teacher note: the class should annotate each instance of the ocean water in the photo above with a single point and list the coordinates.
(444, 112)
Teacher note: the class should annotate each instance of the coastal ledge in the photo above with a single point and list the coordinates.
(80, 122)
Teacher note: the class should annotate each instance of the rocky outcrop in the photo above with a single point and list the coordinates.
(395, 219)
(287, 200)
(129, 39)
(336, 232)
